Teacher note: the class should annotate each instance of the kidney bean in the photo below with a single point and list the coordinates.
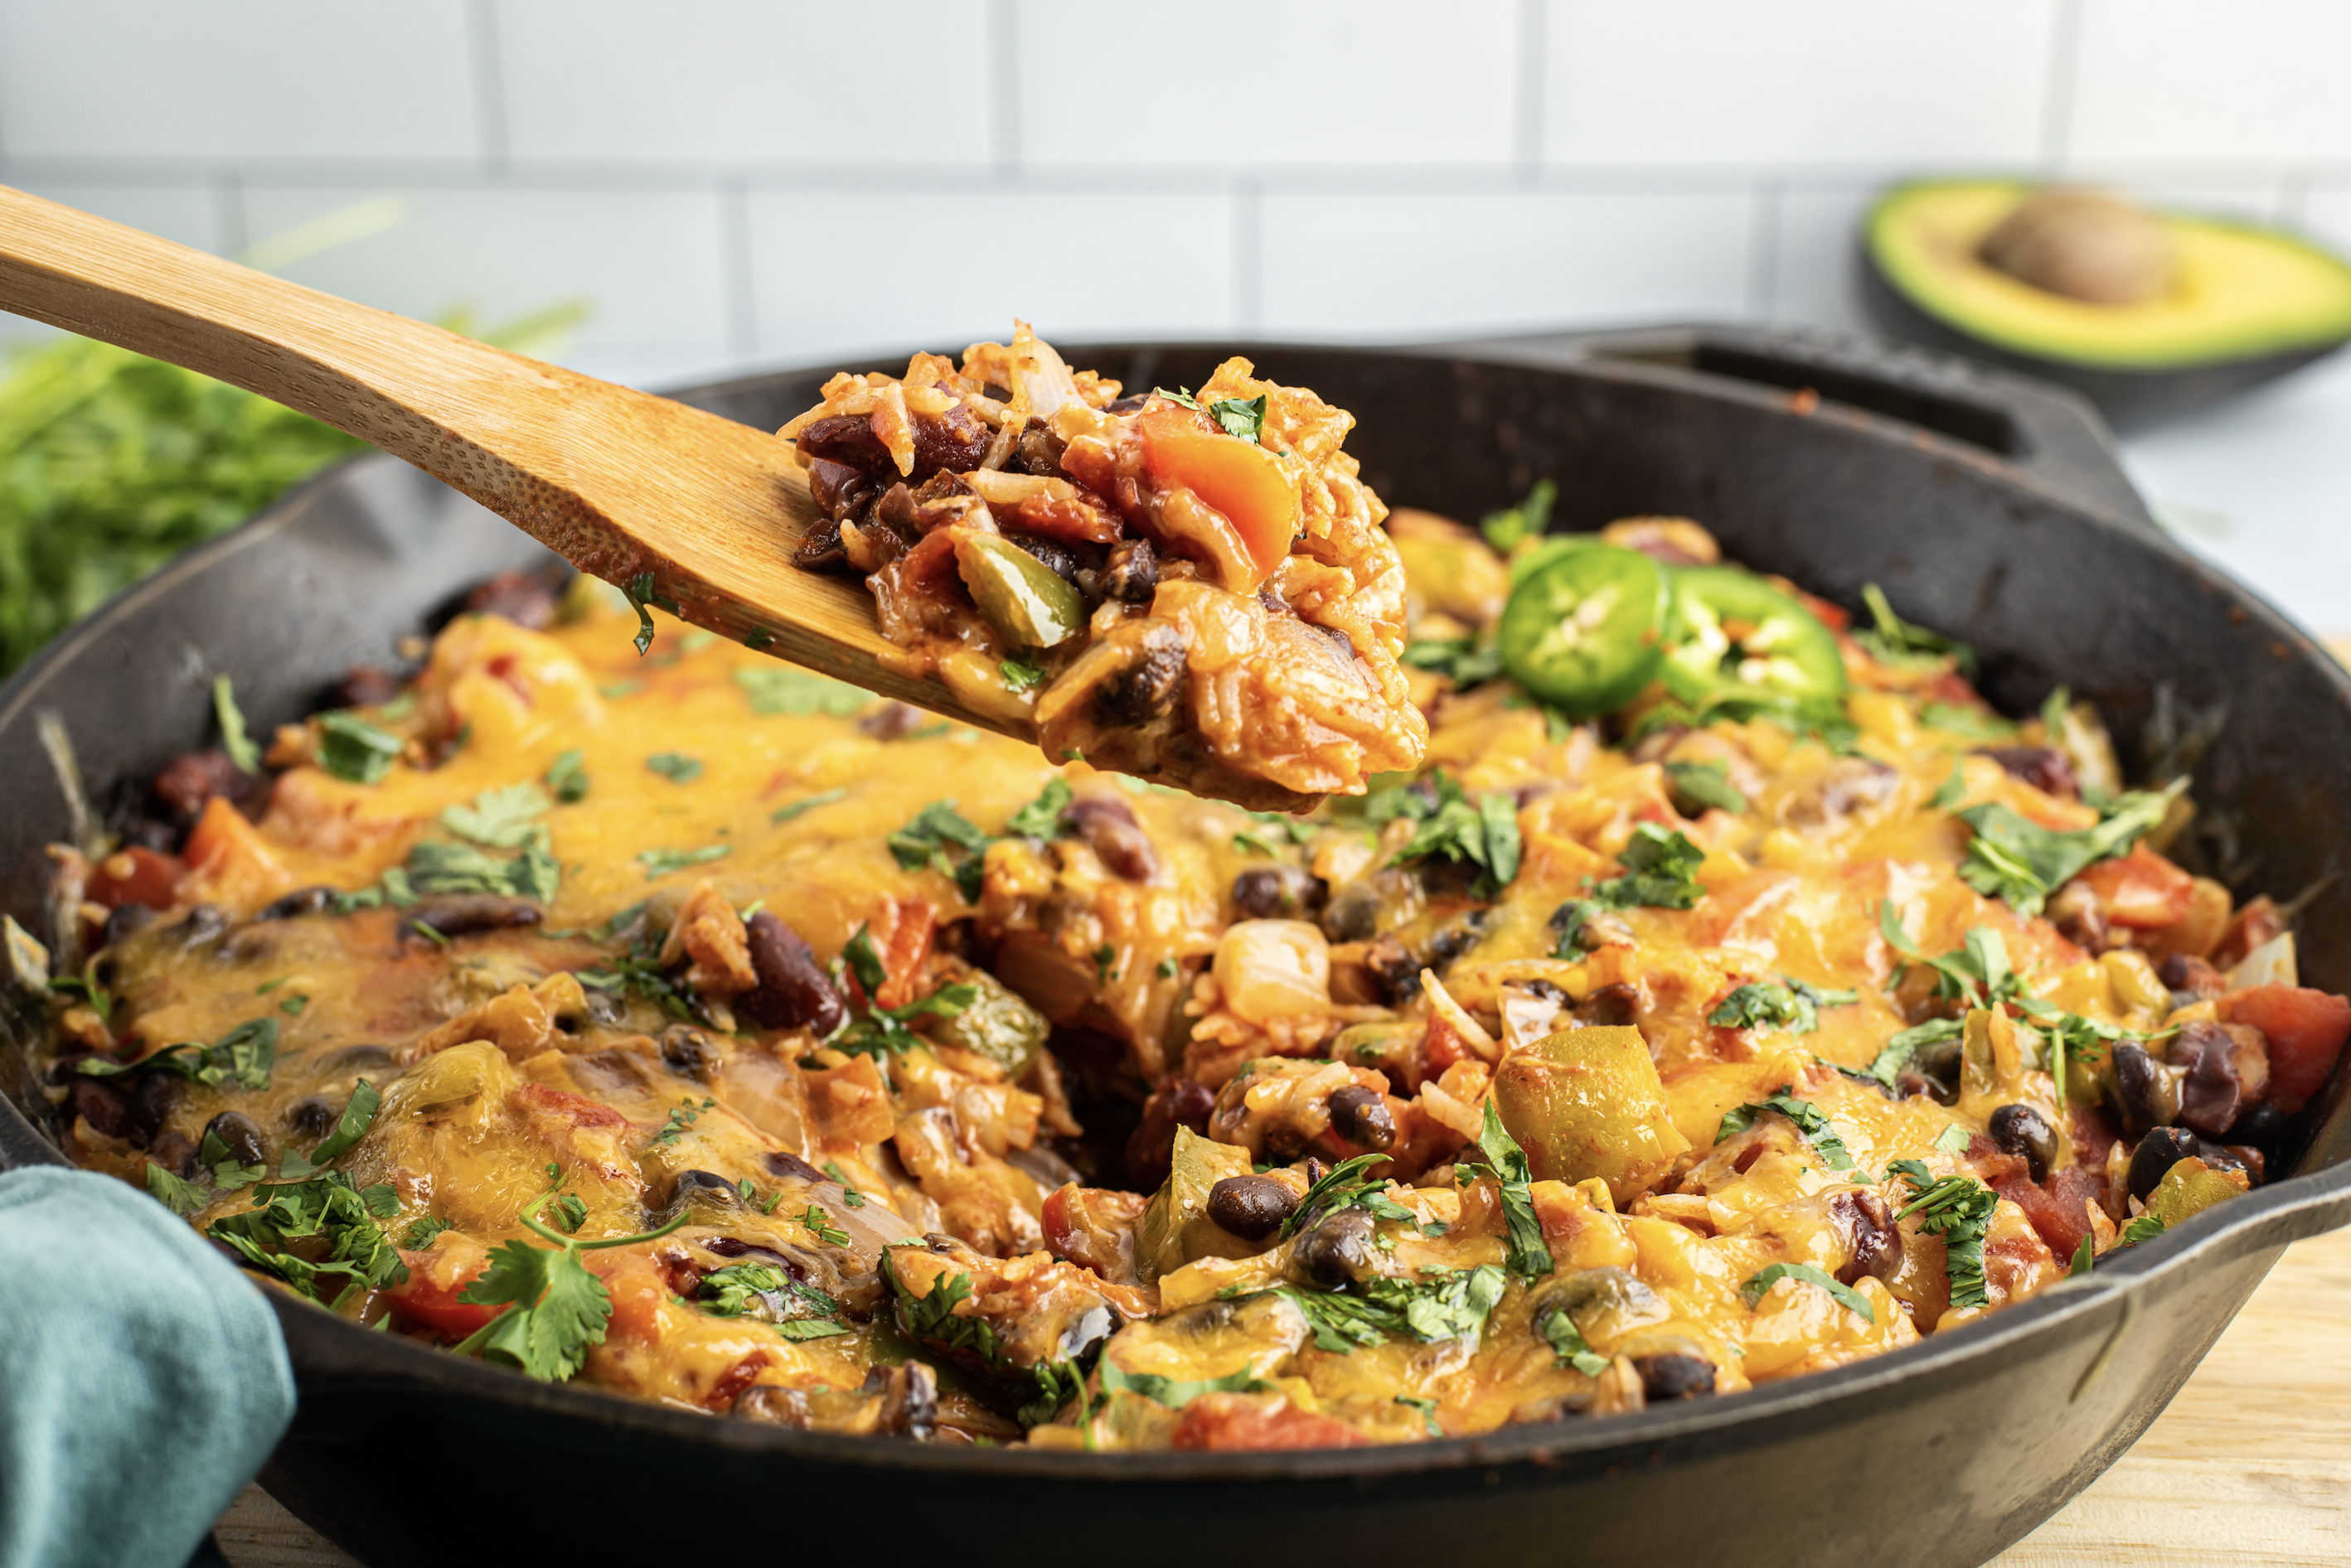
(175, 1152)
(846, 438)
(365, 686)
(1361, 1117)
(1869, 1231)
(1179, 1102)
(183, 784)
(312, 1118)
(526, 599)
(840, 493)
(462, 914)
(1108, 826)
(1674, 1375)
(105, 1107)
(1251, 1206)
(2046, 768)
(2145, 1094)
(793, 992)
(956, 440)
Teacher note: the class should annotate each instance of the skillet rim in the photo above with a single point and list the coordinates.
(2275, 1214)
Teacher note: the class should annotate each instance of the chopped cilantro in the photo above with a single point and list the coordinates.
(1892, 640)
(800, 807)
(927, 840)
(1785, 1003)
(1530, 519)
(1953, 1139)
(1660, 871)
(1466, 661)
(1806, 1273)
(570, 1214)
(1969, 724)
(559, 1307)
(181, 1197)
(776, 689)
(1174, 1393)
(2023, 862)
(1959, 1208)
(1041, 817)
(354, 750)
(1703, 785)
(1019, 675)
(819, 1225)
(662, 862)
(1811, 1121)
(675, 766)
(849, 1194)
(2083, 1257)
(683, 1116)
(1568, 1344)
(1483, 831)
(1427, 1408)
(436, 867)
(932, 1316)
(420, 1234)
(568, 777)
(1525, 1251)
(2145, 1227)
(502, 818)
(640, 591)
(243, 1056)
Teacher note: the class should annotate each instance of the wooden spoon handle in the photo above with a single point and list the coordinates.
(620, 481)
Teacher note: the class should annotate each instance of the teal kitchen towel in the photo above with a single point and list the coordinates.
(142, 1379)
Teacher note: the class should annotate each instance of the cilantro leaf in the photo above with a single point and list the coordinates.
(1970, 723)
(2023, 863)
(1806, 1273)
(420, 1234)
(560, 1310)
(354, 750)
(438, 868)
(932, 1317)
(1660, 871)
(1484, 832)
(234, 740)
(1525, 1251)
(1019, 675)
(179, 1196)
(1466, 661)
(675, 766)
(776, 689)
(849, 1195)
(1892, 640)
(802, 807)
(1530, 519)
(659, 862)
(1789, 1004)
(244, 1056)
(1703, 785)
(567, 776)
(819, 1225)
(1569, 1345)
(2144, 1228)
(1959, 1208)
(1175, 1393)
(1811, 1121)
(502, 818)
(1041, 817)
(1245, 420)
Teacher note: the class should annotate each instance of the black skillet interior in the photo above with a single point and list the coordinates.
(1984, 507)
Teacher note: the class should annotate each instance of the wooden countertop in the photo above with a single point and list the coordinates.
(2250, 1465)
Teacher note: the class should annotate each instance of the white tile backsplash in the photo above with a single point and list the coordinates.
(2193, 81)
(1426, 264)
(1867, 84)
(835, 272)
(1816, 270)
(647, 262)
(1278, 84)
(721, 81)
(204, 80)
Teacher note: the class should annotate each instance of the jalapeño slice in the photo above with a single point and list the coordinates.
(1737, 636)
(1585, 631)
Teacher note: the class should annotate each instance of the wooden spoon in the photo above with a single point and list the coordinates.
(673, 506)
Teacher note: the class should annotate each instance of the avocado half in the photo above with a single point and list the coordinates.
(2245, 305)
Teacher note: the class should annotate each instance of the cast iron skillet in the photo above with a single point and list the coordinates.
(1986, 507)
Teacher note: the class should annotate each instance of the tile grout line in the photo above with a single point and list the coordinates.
(1526, 127)
(2062, 64)
(488, 82)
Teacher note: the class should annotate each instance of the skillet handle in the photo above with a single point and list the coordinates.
(2042, 430)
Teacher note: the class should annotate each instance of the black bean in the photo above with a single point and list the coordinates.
(150, 1099)
(183, 784)
(1394, 966)
(242, 1134)
(688, 1050)
(1146, 691)
(2046, 768)
(313, 1116)
(299, 902)
(1338, 1250)
(779, 1163)
(2157, 1153)
(1130, 404)
(1353, 912)
(2259, 1124)
(123, 922)
(793, 992)
(1130, 575)
(1251, 1206)
(1108, 826)
(1177, 1103)
(2026, 1134)
(2185, 973)
(1457, 937)
(462, 914)
(1361, 1117)
(2216, 1056)
(1674, 1375)
(2145, 1097)
(1277, 892)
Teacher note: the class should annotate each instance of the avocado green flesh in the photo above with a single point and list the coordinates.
(2241, 291)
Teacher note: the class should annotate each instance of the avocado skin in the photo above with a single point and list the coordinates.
(2130, 400)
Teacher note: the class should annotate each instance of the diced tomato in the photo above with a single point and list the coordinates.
(1223, 1421)
(135, 876)
(2305, 1030)
(904, 945)
(1237, 477)
(1440, 1047)
(2057, 1207)
(2142, 890)
(436, 1276)
(735, 1379)
(1834, 617)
